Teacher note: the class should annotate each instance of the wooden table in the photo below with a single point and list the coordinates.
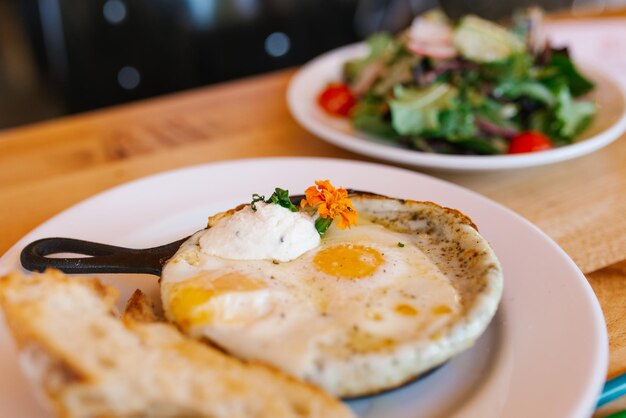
(46, 168)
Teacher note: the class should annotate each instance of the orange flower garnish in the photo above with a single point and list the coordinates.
(331, 203)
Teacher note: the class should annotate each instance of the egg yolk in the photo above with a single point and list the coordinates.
(442, 310)
(183, 303)
(348, 261)
(187, 298)
(406, 310)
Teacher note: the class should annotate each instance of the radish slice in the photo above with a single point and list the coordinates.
(431, 35)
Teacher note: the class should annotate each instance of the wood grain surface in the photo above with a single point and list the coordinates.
(610, 287)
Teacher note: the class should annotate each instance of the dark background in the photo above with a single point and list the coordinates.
(65, 56)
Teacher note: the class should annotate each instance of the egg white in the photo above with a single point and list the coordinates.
(315, 317)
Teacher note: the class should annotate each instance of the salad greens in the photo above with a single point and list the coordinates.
(468, 87)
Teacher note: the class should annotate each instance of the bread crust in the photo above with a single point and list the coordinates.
(89, 362)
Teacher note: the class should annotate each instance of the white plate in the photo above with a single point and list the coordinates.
(310, 80)
(544, 355)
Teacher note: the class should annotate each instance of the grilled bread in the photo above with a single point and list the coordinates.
(89, 362)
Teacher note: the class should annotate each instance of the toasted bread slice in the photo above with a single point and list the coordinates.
(91, 363)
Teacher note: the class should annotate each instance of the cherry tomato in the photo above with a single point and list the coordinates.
(337, 99)
(529, 141)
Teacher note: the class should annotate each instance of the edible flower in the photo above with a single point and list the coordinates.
(332, 204)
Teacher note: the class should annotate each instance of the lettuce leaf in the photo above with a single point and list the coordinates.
(565, 120)
(561, 66)
(514, 67)
(457, 123)
(526, 88)
(415, 111)
(573, 116)
(379, 44)
(370, 116)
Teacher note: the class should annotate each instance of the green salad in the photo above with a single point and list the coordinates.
(466, 87)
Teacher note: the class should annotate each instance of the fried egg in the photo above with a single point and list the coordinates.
(366, 309)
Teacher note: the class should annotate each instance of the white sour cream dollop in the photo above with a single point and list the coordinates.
(271, 232)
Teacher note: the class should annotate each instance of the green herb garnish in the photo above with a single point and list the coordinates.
(256, 198)
(322, 224)
(279, 197)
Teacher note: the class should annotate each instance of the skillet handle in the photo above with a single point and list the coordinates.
(102, 258)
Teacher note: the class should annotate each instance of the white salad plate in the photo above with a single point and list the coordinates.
(543, 355)
(312, 78)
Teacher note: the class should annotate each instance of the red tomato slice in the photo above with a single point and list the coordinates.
(337, 99)
(529, 141)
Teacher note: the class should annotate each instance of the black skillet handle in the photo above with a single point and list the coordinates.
(102, 258)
